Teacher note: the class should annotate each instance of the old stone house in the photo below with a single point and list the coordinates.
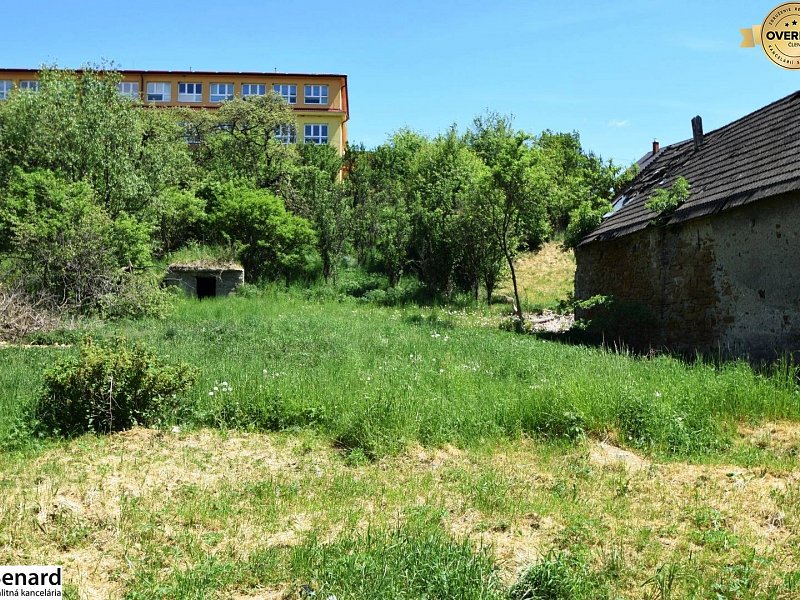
(720, 274)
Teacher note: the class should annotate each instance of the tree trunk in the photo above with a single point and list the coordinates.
(517, 303)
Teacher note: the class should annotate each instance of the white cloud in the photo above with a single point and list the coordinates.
(619, 123)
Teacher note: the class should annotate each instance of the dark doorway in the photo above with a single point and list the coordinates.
(206, 287)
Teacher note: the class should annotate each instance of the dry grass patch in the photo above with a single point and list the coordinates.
(544, 277)
(121, 510)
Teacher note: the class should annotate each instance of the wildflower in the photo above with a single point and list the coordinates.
(658, 394)
(216, 389)
(176, 429)
(210, 393)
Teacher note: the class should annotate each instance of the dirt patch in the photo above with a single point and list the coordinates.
(603, 454)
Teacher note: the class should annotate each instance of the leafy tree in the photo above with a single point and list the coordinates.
(238, 142)
(515, 201)
(449, 177)
(271, 242)
(381, 185)
(178, 217)
(318, 196)
(583, 220)
(79, 126)
(66, 247)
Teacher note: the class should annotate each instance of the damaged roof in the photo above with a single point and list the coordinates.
(751, 159)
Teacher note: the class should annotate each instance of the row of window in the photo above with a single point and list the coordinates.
(161, 91)
(6, 85)
(313, 133)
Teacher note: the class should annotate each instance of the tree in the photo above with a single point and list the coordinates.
(79, 126)
(271, 242)
(66, 247)
(238, 140)
(320, 198)
(449, 176)
(515, 201)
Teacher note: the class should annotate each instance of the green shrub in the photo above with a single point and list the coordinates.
(138, 295)
(665, 201)
(583, 220)
(272, 242)
(110, 386)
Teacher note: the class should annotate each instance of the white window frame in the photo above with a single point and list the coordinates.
(29, 84)
(129, 89)
(162, 89)
(6, 85)
(287, 91)
(286, 134)
(315, 133)
(184, 95)
(247, 89)
(221, 92)
(315, 94)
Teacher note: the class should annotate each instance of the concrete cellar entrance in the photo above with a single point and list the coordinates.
(206, 287)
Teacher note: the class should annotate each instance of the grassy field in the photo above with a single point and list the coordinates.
(363, 452)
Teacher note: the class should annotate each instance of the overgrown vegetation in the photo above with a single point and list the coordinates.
(95, 191)
(109, 386)
(665, 201)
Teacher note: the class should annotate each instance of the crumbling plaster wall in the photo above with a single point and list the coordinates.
(728, 284)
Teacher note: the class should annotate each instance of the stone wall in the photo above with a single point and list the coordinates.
(726, 284)
(227, 279)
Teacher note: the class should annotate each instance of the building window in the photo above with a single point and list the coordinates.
(29, 84)
(316, 134)
(316, 94)
(6, 85)
(159, 91)
(190, 92)
(286, 134)
(129, 89)
(221, 92)
(253, 89)
(287, 91)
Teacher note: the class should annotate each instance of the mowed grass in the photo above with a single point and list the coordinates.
(214, 514)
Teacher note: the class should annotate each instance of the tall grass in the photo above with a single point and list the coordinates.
(376, 379)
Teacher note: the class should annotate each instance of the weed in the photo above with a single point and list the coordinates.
(415, 560)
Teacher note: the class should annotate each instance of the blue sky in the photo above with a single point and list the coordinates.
(619, 73)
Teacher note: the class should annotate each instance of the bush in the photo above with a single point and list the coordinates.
(664, 202)
(583, 220)
(272, 243)
(109, 387)
(137, 296)
(67, 250)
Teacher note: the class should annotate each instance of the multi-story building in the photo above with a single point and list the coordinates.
(319, 101)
